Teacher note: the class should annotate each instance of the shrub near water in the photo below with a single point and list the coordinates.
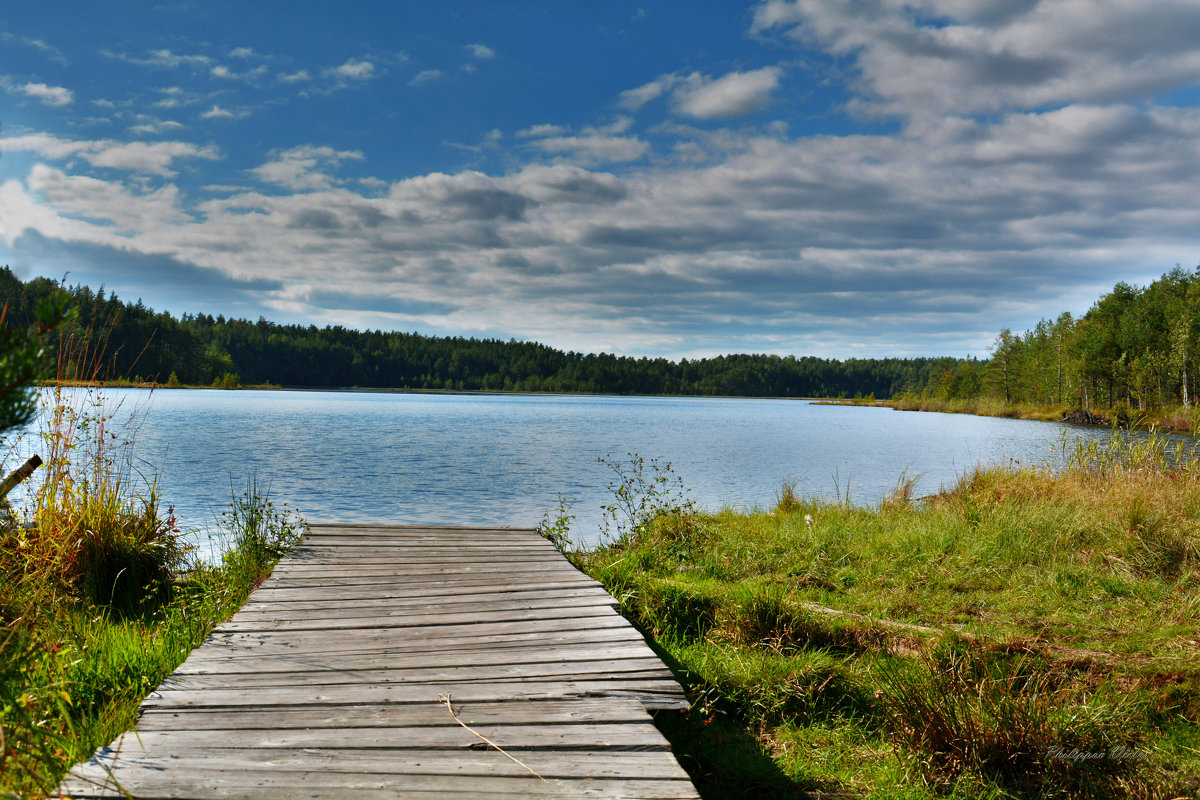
(1025, 634)
(93, 612)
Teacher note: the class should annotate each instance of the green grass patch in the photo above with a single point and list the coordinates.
(100, 596)
(1024, 634)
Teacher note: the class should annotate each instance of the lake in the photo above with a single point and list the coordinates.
(503, 459)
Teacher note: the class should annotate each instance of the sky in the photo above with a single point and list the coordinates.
(839, 178)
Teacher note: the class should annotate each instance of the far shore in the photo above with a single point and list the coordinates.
(1179, 419)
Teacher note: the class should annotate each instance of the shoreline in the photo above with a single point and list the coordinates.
(1176, 420)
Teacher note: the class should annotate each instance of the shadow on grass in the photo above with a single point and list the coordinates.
(724, 759)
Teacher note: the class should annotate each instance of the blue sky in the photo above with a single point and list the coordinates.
(823, 177)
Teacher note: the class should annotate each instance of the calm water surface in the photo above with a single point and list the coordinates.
(505, 459)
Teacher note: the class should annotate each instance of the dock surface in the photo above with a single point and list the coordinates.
(407, 662)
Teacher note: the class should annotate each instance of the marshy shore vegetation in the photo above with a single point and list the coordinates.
(102, 594)
(1026, 633)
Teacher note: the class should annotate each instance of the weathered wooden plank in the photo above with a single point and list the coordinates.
(378, 588)
(571, 764)
(584, 656)
(477, 577)
(500, 573)
(350, 608)
(218, 784)
(243, 646)
(548, 619)
(611, 668)
(355, 694)
(627, 736)
(442, 599)
(284, 622)
(452, 638)
(430, 713)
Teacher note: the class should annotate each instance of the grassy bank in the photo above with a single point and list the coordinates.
(100, 595)
(1025, 634)
(1176, 419)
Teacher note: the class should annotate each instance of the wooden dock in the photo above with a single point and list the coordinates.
(333, 681)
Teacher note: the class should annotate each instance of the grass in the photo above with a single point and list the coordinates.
(1025, 634)
(100, 596)
(1173, 419)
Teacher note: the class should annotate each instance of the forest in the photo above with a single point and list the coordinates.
(1135, 346)
(142, 345)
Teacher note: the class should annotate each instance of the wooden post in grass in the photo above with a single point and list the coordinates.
(19, 474)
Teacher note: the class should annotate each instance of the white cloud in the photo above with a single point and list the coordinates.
(993, 56)
(151, 126)
(243, 52)
(634, 99)
(154, 158)
(216, 112)
(481, 51)
(49, 95)
(353, 70)
(174, 97)
(425, 76)
(249, 76)
(40, 45)
(304, 168)
(165, 59)
(542, 130)
(735, 94)
(298, 76)
(595, 148)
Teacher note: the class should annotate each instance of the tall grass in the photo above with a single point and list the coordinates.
(100, 595)
(1026, 633)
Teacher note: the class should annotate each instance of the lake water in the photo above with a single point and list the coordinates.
(486, 459)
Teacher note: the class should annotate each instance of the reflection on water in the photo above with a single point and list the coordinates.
(505, 459)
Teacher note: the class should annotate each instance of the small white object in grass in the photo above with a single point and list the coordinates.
(808, 520)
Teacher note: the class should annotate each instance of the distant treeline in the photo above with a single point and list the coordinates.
(1135, 347)
(198, 349)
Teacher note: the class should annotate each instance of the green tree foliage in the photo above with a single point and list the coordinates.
(1136, 346)
(22, 355)
(202, 350)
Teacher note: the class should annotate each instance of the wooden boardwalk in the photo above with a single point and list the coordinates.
(332, 682)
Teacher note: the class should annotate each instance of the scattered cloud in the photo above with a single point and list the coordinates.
(299, 76)
(174, 97)
(163, 59)
(147, 125)
(945, 56)
(249, 76)
(425, 76)
(595, 148)
(153, 158)
(304, 168)
(217, 112)
(40, 45)
(48, 95)
(481, 51)
(353, 70)
(735, 94)
(634, 99)
(544, 129)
